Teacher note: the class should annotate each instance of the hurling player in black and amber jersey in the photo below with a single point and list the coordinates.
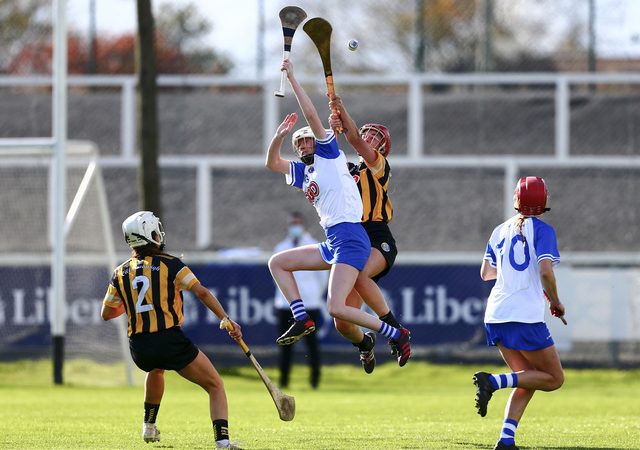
(372, 142)
(147, 288)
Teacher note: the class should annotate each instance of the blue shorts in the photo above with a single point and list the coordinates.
(346, 243)
(518, 335)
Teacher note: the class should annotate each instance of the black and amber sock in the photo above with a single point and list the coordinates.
(365, 345)
(390, 319)
(150, 412)
(221, 429)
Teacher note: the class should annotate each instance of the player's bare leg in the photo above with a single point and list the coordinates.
(341, 281)
(372, 295)
(154, 386)
(365, 342)
(531, 371)
(153, 391)
(542, 371)
(282, 265)
(202, 372)
(367, 288)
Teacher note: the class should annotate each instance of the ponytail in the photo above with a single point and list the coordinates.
(520, 223)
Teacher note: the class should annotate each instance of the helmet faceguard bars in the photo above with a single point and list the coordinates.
(384, 144)
(303, 133)
(531, 196)
(139, 229)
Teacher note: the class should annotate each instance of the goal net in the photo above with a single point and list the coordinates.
(26, 258)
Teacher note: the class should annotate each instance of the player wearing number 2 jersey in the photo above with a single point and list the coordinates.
(520, 256)
(158, 278)
(147, 288)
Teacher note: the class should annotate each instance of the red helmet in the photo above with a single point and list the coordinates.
(531, 196)
(383, 145)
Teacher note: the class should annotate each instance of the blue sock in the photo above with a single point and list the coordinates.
(389, 331)
(504, 380)
(508, 434)
(297, 309)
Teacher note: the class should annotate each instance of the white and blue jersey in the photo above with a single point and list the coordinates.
(518, 295)
(327, 184)
(330, 188)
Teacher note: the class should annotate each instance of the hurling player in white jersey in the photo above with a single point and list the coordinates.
(520, 256)
(324, 177)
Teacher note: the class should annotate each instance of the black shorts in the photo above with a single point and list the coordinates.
(382, 239)
(167, 349)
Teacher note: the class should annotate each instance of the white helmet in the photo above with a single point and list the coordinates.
(302, 133)
(138, 229)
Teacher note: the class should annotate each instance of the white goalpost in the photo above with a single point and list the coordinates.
(56, 261)
(28, 201)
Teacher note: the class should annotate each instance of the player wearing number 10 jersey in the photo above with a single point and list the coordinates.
(520, 256)
(147, 288)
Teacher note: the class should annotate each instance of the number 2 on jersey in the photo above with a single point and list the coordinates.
(142, 290)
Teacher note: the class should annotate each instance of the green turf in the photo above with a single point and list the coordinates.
(420, 406)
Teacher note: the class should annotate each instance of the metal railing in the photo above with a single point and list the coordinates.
(413, 85)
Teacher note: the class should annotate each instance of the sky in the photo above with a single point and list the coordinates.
(118, 16)
(235, 24)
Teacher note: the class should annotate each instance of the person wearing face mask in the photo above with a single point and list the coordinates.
(313, 285)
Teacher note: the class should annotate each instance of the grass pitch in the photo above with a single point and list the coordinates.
(420, 406)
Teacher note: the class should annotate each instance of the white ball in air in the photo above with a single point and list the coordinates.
(353, 45)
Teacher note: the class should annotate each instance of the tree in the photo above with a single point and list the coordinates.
(149, 178)
(454, 38)
(178, 47)
(21, 25)
(183, 28)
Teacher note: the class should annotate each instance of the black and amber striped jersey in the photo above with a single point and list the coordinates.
(373, 182)
(150, 290)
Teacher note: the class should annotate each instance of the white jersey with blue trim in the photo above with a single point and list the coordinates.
(518, 295)
(327, 184)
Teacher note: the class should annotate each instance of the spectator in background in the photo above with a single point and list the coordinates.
(313, 285)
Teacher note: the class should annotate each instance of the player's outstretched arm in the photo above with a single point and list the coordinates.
(215, 307)
(309, 111)
(351, 131)
(275, 162)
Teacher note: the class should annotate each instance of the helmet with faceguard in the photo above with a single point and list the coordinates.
(381, 140)
(143, 228)
(301, 134)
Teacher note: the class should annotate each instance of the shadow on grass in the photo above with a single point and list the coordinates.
(471, 445)
(568, 447)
